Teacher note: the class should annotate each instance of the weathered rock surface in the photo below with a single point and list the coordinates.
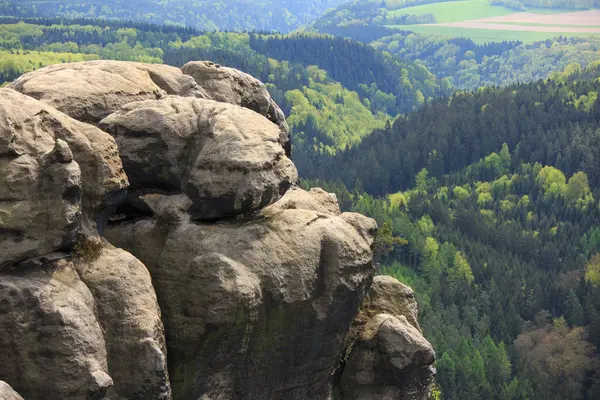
(47, 160)
(229, 85)
(52, 346)
(131, 321)
(257, 305)
(8, 393)
(89, 91)
(84, 329)
(316, 200)
(225, 158)
(387, 357)
(255, 308)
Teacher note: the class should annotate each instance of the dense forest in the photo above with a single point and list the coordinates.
(282, 16)
(546, 122)
(470, 66)
(495, 203)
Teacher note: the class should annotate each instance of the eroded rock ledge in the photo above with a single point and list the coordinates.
(226, 282)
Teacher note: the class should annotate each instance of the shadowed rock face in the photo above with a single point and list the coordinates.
(83, 329)
(258, 281)
(255, 308)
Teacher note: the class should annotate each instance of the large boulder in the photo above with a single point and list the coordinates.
(225, 158)
(51, 343)
(83, 329)
(131, 320)
(387, 356)
(256, 308)
(89, 91)
(48, 161)
(229, 85)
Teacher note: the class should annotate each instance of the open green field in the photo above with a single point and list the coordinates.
(482, 22)
(481, 36)
(456, 11)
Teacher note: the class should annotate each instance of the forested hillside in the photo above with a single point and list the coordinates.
(469, 66)
(283, 15)
(493, 199)
(542, 122)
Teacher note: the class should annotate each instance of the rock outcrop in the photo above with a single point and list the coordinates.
(87, 328)
(229, 85)
(267, 299)
(226, 159)
(52, 168)
(388, 357)
(228, 281)
(90, 91)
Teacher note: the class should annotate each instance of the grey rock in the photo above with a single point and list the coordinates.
(225, 158)
(52, 346)
(89, 91)
(387, 356)
(229, 85)
(256, 308)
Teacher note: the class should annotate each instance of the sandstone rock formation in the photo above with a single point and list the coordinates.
(88, 328)
(267, 300)
(47, 160)
(388, 356)
(227, 283)
(89, 91)
(229, 85)
(225, 158)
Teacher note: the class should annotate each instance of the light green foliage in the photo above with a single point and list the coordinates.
(430, 247)
(461, 270)
(15, 63)
(524, 201)
(331, 116)
(592, 271)
(506, 205)
(398, 201)
(422, 180)
(578, 190)
(552, 180)
(425, 225)
(461, 193)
